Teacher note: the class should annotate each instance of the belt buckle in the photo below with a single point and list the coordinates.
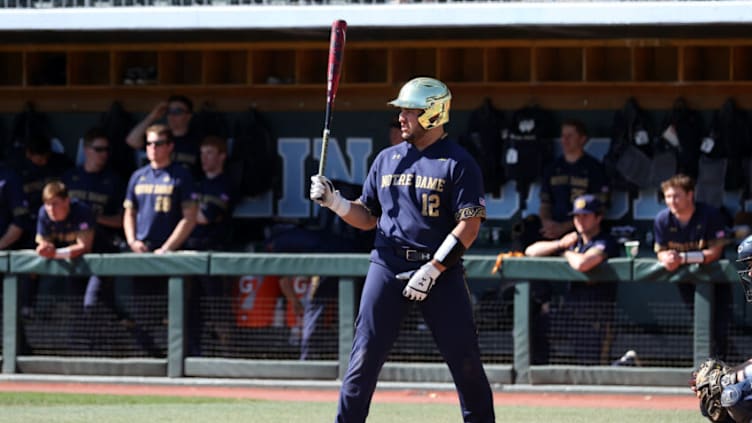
(415, 255)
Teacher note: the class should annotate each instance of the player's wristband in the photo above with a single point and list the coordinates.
(690, 257)
(63, 253)
(339, 204)
(450, 251)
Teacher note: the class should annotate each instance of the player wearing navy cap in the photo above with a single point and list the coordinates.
(588, 307)
(425, 198)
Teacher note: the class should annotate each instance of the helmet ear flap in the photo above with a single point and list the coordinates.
(436, 114)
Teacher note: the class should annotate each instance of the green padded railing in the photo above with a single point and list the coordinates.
(348, 266)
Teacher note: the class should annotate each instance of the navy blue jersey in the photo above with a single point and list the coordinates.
(158, 196)
(186, 152)
(102, 191)
(14, 207)
(563, 182)
(419, 196)
(705, 229)
(214, 201)
(602, 242)
(80, 219)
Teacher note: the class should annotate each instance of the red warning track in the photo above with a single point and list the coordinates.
(665, 402)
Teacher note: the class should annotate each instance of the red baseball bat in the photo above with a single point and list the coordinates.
(336, 55)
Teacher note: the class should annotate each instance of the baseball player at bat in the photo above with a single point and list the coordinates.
(425, 198)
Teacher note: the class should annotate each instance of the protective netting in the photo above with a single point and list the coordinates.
(578, 333)
(58, 325)
(583, 334)
(739, 333)
(274, 331)
(493, 318)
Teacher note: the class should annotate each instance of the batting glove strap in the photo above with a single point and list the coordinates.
(420, 281)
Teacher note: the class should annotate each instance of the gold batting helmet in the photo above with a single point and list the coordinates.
(428, 94)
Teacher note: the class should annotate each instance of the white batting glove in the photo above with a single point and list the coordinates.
(420, 281)
(323, 193)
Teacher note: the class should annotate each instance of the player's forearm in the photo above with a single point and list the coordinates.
(359, 217)
(543, 248)
(11, 235)
(75, 250)
(712, 254)
(582, 262)
(129, 225)
(80, 247)
(178, 236)
(83, 244)
(707, 255)
(455, 244)
(467, 231)
(135, 138)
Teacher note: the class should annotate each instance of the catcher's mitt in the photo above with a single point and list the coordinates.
(707, 382)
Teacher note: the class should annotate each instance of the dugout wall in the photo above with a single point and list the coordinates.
(520, 270)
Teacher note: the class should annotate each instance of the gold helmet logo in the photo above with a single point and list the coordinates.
(580, 203)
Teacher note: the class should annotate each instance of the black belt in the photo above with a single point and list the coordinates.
(413, 255)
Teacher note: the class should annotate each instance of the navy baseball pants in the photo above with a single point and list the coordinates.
(447, 312)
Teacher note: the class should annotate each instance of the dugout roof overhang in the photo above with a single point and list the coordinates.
(523, 20)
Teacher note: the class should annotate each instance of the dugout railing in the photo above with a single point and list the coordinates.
(177, 266)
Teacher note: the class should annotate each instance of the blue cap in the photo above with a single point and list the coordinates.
(586, 204)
